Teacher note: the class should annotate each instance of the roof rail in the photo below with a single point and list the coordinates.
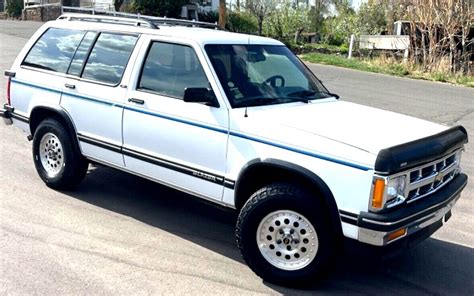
(136, 21)
(106, 16)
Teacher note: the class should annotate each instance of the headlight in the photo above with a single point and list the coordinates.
(388, 192)
(395, 191)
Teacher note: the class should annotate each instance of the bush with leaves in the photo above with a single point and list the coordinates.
(242, 22)
(168, 8)
(14, 8)
(371, 19)
(337, 29)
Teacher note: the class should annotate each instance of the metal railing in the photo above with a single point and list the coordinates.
(102, 15)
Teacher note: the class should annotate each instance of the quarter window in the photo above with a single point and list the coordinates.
(171, 68)
(81, 54)
(109, 57)
(54, 49)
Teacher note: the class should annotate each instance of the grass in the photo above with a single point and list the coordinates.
(387, 66)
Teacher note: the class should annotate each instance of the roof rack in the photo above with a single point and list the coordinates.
(106, 16)
(107, 19)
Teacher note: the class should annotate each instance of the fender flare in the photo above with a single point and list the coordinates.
(297, 170)
(62, 114)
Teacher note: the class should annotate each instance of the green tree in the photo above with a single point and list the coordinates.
(286, 21)
(261, 9)
(371, 19)
(168, 8)
(338, 28)
(242, 22)
(317, 14)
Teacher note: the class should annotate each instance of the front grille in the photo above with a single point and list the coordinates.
(428, 178)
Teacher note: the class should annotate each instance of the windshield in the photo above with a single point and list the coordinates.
(256, 75)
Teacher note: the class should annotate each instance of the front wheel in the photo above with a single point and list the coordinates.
(57, 159)
(284, 235)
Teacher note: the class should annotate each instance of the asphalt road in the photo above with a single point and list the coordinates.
(119, 234)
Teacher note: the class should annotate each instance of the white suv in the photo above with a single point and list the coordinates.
(237, 120)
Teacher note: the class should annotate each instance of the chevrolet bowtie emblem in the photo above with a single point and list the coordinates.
(439, 177)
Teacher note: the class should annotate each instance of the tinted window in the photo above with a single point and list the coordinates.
(81, 54)
(170, 68)
(109, 57)
(54, 50)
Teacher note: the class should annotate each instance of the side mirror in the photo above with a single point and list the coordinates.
(200, 95)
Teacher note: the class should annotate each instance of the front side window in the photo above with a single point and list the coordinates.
(171, 68)
(109, 57)
(54, 50)
(255, 75)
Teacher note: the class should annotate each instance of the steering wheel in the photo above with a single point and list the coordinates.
(273, 80)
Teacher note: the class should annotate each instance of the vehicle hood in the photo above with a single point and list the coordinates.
(361, 127)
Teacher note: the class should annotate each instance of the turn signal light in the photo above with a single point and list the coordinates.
(396, 234)
(377, 198)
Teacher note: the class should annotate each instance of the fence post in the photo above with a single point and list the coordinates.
(405, 55)
(351, 46)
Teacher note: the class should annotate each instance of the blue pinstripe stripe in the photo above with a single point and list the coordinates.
(193, 123)
(300, 151)
(196, 124)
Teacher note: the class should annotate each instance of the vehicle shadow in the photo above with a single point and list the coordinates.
(433, 267)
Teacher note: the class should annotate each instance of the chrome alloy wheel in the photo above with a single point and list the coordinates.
(51, 154)
(287, 240)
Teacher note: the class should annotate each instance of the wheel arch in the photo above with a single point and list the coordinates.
(40, 113)
(284, 171)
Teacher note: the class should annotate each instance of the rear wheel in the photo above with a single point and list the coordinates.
(57, 159)
(284, 235)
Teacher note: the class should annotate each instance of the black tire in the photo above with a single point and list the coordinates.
(276, 197)
(73, 167)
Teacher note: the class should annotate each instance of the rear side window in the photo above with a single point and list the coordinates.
(109, 57)
(54, 49)
(170, 68)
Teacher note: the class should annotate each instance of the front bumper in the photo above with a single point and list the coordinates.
(6, 114)
(434, 210)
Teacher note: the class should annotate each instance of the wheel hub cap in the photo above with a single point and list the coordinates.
(287, 240)
(51, 154)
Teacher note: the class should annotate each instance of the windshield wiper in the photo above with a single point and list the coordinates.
(309, 93)
(331, 94)
(302, 93)
(261, 101)
(257, 101)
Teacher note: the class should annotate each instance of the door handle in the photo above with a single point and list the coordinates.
(70, 86)
(136, 101)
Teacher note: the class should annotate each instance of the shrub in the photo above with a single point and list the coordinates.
(14, 8)
(242, 22)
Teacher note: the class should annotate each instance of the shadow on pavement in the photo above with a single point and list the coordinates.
(433, 267)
